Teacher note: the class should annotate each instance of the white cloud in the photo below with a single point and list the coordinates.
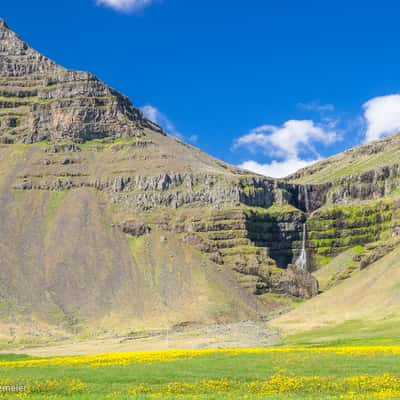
(277, 169)
(126, 5)
(382, 115)
(150, 112)
(286, 144)
(154, 114)
(288, 140)
(291, 146)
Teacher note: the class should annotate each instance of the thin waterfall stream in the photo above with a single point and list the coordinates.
(302, 261)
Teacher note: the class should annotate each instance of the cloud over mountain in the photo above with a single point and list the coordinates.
(288, 144)
(382, 115)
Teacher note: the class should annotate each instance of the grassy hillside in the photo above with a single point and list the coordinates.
(366, 306)
(339, 269)
(68, 268)
(354, 161)
(356, 227)
(64, 263)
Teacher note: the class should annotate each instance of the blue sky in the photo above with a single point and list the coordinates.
(269, 85)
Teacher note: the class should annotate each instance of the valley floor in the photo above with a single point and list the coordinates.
(344, 344)
(343, 372)
(235, 335)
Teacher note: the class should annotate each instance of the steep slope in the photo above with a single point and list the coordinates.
(108, 225)
(353, 242)
(358, 191)
(40, 100)
(87, 249)
(367, 305)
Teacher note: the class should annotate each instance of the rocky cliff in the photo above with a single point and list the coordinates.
(109, 225)
(360, 208)
(40, 100)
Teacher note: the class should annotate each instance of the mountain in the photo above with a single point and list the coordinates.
(111, 226)
(355, 245)
(43, 101)
(360, 189)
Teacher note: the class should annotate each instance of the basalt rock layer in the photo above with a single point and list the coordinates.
(39, 100)
(109, 225)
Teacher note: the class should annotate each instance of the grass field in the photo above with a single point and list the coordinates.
(342, 372)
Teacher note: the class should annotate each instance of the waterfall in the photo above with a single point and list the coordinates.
(302, 262)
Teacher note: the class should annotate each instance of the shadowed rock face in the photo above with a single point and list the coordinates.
(39, 100)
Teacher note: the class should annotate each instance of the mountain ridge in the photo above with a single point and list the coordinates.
(50, 102)
(345, 163)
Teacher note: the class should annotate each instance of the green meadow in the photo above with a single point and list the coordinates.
(341, 372)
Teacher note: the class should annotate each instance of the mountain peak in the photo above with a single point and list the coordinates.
(43, 101)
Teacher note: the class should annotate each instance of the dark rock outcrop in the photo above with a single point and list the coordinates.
(135, 228)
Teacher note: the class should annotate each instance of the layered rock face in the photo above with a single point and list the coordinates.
(40, 100)
(335, 229)
(256, 244)
(109, 225)
(122, 226)
(360, 208)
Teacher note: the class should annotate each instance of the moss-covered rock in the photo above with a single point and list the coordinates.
(334, 229)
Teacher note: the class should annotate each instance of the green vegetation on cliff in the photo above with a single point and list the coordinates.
(337, 228)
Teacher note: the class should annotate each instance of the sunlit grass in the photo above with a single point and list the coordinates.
(335, 372)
